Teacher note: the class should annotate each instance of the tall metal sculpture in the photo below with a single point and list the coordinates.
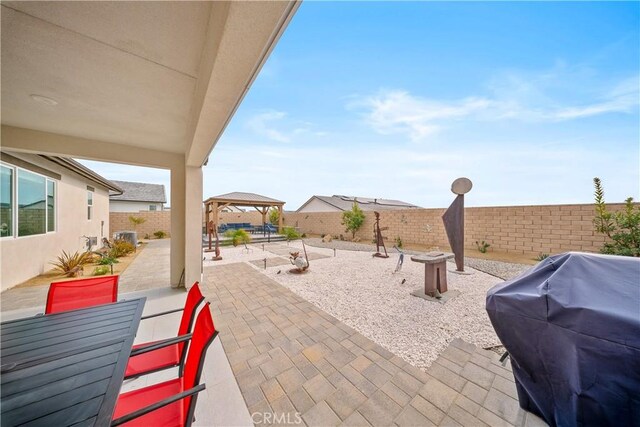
(377, 235)
(453, 220)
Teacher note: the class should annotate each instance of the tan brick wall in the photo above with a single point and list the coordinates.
(515, 229)
(155, 221)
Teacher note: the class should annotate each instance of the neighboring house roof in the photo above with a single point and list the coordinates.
(344, 203)
(245, 197)
(140, 192)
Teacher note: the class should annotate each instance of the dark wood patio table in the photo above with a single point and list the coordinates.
(66, 368)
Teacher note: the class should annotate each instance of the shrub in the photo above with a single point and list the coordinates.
(399, 242)
(274, 216)
(482, 246)
(120, 248)
(238, 236)
(101, 270)
(160, 234)
(107, 260)
(622, 228)
(290, 233)
(353, 219)
(71, 264)
(136, 221)
(542, 256)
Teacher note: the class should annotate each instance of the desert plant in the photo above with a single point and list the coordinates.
(101, 270)
(353, 219)
(482, 246)
(274, 216)
(147, 237)
(120, 248)
(290, 233)
(542, 256)
(238, 236)
(107, 260)
(136, 221)
(622, 228)
(71, 264)
(398, 242)
(160, 234)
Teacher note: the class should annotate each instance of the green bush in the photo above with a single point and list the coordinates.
(160, 234)
(120, 248)
(238, 236)
(482, 246)
(107, 260)
(542, 256)
(101, 270)
(398, 242)
(136, 221)
(353, 219)
(622, 228)
(274, 216)
(290, 233)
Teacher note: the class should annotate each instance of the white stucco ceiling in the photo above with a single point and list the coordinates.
(134, 73)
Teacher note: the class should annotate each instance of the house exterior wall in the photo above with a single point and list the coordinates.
(514, 229)
(124, 206)
(29, 256)
(317, 205)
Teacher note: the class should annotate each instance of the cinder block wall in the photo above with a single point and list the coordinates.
(515, 229)
(155, 221)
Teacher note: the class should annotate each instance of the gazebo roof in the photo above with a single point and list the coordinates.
(238, 198)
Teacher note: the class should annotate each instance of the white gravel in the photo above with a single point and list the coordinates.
(231, 254)
(362, 292)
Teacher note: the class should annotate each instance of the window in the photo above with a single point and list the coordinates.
(51, 206)
(89, 205)
(152, 207)
(32, 214)
(35, 198)
(6, 201)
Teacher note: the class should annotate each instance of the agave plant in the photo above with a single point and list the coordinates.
(71, 264)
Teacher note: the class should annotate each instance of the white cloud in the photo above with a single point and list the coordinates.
(262, 124)
(516, 98)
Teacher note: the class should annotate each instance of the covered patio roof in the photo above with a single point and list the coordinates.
(142, 83)
(261, 203)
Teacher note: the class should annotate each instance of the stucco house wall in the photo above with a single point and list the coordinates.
(28, 256)
(123, 206)
(317, 205)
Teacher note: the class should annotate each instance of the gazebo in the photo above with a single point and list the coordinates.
(213, 205)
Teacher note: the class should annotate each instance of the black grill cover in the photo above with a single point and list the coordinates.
(572, 327)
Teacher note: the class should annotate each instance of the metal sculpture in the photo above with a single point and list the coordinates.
(377, 235)
(217, 256)
(453, 220)
(400, 261)
(210, 228)
(302, 264)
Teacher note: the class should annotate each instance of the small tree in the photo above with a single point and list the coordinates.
(353, 219)
(274, 216)
(623, 228)
(136, 221)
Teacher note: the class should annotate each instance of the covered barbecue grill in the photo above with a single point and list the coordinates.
(571, 325)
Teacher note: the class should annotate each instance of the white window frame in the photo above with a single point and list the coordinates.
(90, 205)
(14, 203)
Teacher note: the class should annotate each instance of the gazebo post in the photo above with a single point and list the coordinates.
(280, 219)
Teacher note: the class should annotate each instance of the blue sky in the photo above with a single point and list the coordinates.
(396, 100)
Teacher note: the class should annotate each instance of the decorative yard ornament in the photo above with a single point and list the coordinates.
(377, 236)
(453, 220)
(302, 264)
(217, 256)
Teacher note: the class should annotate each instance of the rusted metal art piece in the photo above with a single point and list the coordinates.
(377, 236)
(453, 220)
(209, 233)
(217, 256)
(302, 264)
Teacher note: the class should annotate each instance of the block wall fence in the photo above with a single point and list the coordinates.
(515, 229)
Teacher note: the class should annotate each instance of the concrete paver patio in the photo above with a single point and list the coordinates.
(290, 357)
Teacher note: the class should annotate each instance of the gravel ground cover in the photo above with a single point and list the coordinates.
(503, 270)
(363, 292)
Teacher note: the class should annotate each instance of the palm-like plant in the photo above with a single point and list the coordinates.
(71, 264)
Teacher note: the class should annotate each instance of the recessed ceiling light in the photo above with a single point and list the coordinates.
(44, 100)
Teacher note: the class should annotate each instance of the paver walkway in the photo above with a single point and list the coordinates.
(290, 357)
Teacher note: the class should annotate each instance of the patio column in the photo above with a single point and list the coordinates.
(177, 223)
(193, 225)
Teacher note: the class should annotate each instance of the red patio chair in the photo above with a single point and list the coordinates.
(171, 403)
(171, 355)
(81, 293)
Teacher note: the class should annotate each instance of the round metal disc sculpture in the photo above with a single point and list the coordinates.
(453, 220)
